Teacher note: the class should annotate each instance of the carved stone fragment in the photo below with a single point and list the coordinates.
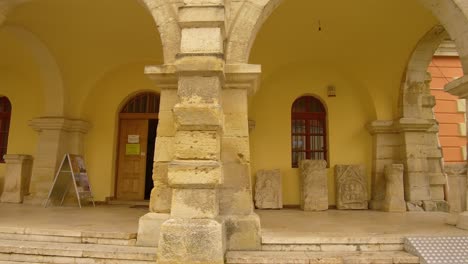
(414, 206)
(268, 193)
(394, 192)
(351, 187)
(314, 185)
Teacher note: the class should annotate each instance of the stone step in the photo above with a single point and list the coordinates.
(32, 259)
(67, 236)
(278, 257)
(314, 243)
(52, 252)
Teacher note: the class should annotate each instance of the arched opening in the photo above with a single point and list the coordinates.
(138, 122)
(5, 116)
(308, 130)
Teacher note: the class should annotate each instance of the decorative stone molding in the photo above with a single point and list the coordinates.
(59, 123)
(447, 48)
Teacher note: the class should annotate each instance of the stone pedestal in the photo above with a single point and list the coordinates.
(394, 191)
(314, 185)
(268, 190)
(149, 228)
(351, 187)
(17, 178)
(57, 136)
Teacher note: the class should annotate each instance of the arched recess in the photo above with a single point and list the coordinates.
(416, 72)
(165, 16)
(54, 92)
(452, 14)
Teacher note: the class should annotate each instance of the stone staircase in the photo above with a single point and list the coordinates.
(330, 250)
(24, 245)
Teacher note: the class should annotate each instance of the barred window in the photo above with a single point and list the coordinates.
(308, 130)
(5, 116)
(142, 103)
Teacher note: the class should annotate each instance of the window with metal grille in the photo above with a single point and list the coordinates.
(5, 116)
(308, 130)
(142, 103)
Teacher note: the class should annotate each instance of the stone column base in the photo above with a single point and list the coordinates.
(149, 227)
(191, 241)
(243, 232)
(462, 222)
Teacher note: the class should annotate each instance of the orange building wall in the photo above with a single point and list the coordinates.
(449, 112)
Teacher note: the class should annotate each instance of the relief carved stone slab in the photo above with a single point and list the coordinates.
(351, 187)
(268, 190)
(314, 185)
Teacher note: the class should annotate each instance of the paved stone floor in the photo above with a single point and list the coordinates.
(103, 218)
(295, 223)
(281, 223)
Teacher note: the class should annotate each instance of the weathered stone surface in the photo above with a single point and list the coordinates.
(191, 241)
(414, 206)
(201, 40)
(314, 181)
(194, 203)
(351, 187)
(457, 186)
(394, 194)
(195, 173)
(268, 189)
(17, 178)
(149, 227)
(203, 145)
(442, 206)
(429, 206)
(463, 220)
(243, 232)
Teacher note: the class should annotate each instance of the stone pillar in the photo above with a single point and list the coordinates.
(394, 193)
(236, 206)
(385, 151)
(414, 157)
(17, 178)
(457, 182)
(459, 87)
(314, 185)
(57, 136)
(160, 201)
(195, 233)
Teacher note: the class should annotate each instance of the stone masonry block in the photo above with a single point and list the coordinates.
(234, 100)
(198, 116)
(198, 16)
(169, 98)
(235, 201)
(200, 65)
(243, 232)
(199, 89)
(235, 149)
(197, 145)
(195, 174)
(201, 40)
(166, 126)
(160, 172)
(236, 175)
(191, 241)
(161, 197)
(194, 203)
(437, 192)
(149, 227)
(165, 149)
(236, 125)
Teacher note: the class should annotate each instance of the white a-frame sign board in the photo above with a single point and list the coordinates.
(72, 172)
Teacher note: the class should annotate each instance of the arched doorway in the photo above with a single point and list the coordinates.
(138, 121)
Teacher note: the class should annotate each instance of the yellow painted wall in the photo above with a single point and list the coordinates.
(101, 109)
(362, 48)
(21, 83)
(348, 112)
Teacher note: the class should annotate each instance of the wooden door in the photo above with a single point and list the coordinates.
(131, 169)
